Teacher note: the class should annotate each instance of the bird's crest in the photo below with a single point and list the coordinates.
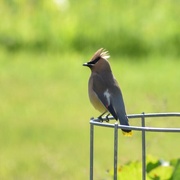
(101, 53)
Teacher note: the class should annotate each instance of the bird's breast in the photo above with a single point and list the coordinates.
(94, 98)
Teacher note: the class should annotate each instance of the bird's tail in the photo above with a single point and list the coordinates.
(124, 121)
(125, 133)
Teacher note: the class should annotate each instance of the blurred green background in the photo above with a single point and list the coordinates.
(44, 106)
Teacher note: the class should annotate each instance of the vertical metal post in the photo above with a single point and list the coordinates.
(115, 149)
(143, 149)
(91, 150)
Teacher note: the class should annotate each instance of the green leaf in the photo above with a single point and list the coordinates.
(176, 173)
(174, 162)
(161, 173)
(151, 163)
(132, 170)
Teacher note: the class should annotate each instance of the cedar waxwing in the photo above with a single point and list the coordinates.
(104, 92)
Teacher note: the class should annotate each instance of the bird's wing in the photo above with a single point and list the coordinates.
(118, 104)
(111, 98)
(102, 92)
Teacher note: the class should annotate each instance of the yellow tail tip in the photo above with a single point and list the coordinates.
(129, 134)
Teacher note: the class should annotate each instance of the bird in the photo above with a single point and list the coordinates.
(103, 89)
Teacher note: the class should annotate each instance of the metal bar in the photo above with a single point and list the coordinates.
(115, 149)
(172, 114)
(143, 129)
(154, 115)
(143, 149)
(137, 128)
(91, 150)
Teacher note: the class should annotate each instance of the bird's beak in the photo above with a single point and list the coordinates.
(88, 65)
(85, 64)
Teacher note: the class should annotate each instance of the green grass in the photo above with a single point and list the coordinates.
(45, 111)
(44, 106)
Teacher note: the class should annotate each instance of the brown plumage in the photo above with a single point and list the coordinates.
(104, 92)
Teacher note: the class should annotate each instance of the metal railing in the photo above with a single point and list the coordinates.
(143, 128)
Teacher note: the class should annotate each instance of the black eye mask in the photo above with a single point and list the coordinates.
(94, 61)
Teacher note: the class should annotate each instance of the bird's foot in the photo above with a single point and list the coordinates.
(100, 119)
(107, 118)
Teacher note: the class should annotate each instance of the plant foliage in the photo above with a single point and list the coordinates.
(156, 169)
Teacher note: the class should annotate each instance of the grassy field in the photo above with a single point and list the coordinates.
(126, 28)
(45, 111)
(44, 106)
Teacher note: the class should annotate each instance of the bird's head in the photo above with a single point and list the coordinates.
(99, 61)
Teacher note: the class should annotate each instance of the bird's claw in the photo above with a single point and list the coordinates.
(100, 119)
(107, 118)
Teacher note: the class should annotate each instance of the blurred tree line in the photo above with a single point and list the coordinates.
(132, 28)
